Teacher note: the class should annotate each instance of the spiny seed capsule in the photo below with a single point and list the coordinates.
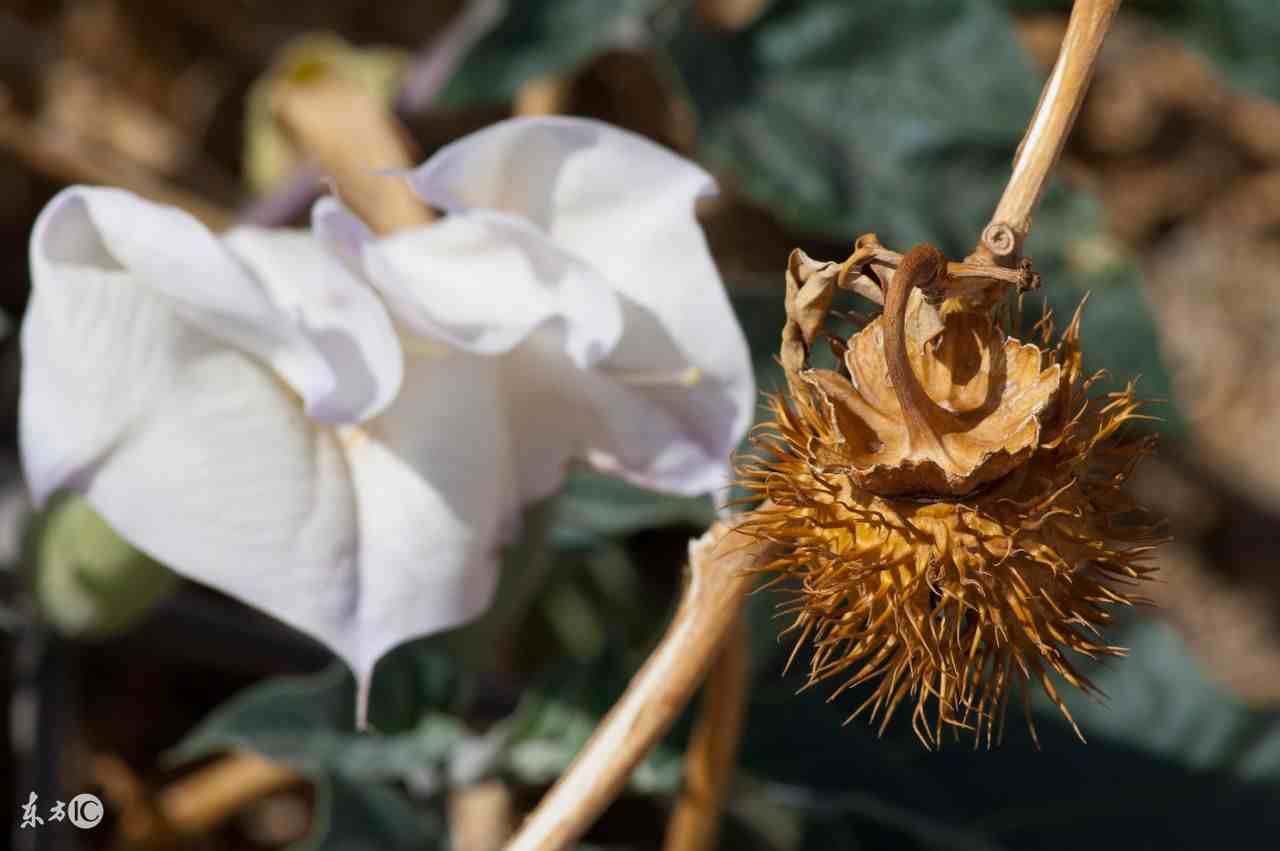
(949, 502)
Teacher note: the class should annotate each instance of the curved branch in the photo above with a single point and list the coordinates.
(199, 802)
(1054, 116)
(719, 566)
(352, 136)
(713, 748)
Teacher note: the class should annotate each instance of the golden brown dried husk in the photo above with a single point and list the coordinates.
(981, 395)
(991, 392)
(948, 603)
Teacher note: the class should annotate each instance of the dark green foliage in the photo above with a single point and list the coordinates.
(853, 117)
(538, 39)
(308, 723)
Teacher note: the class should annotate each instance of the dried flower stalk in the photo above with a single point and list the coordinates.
(1054, 116)
(480, 816)
(322, 116)
(197, 803)
(721, 566)
(191, 806)
(713, 747)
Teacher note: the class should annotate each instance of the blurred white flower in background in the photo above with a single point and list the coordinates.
(340, 428)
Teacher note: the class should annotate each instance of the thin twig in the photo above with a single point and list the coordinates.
(352, 134)
(1054, 116)
(713, 748)
(481, 816)
(422, 80)
(718, 565)
(200, 801)
(544, 96)
(190, 806)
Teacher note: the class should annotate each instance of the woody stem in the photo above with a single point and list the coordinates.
(1054, 116)
(720, 567)
(713, 747)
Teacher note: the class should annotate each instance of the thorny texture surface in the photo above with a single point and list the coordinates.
(948, 597)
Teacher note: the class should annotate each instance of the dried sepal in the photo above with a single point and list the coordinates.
(929, 401)
(810, 287)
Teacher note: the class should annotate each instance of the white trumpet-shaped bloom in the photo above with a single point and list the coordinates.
(340, 428)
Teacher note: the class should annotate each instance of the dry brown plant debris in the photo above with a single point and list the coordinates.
(950, 502)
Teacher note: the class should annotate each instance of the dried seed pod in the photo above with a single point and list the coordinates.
(952, 506)
(927, 401)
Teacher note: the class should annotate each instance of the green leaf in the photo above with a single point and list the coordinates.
(560, 711)
(89, 581)
(864, 820)
(762, 317)
(593, 506)
(1165, 748)
(1076, 258)
(538, 38)
(849, 117)
(1160, 702)
(416, 678)
(361, 816)
(308, 722)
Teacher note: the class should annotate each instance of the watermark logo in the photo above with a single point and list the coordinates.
(30, 816)
(84, 811)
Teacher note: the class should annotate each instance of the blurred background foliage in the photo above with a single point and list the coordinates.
(823, 119)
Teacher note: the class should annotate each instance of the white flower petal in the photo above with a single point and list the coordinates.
(559, 411)
(200, 454)
(481, 282)
(432, 482)
(168, 252)
(227, 482)
(625, 206)
(206, 461)
(195, 452)
(97, 350)
(337, 314)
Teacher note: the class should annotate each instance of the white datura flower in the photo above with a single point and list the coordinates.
(340, 428)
